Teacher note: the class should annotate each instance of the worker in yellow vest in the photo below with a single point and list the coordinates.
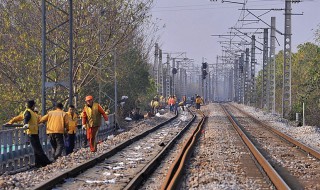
(31, 120)
(57, 126)
(162, 101)
(91, 121)
(198, 102)
(154, 106)
(71, 136)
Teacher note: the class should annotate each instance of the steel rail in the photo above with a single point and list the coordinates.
(275, 178)
(154, 163)
(174, 174)
(302, 146)
(49, 184)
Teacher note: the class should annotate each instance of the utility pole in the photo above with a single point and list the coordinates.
(177, 80)
(183, 83)
(70, 52)
(206, 90)
(156, 66)
(253, 71)
(202, 83)
(241, 80)
(246, 78)
(100, 49)
(52, 89)
(231, 92)
(265, 69)
(216, 79)
(173, 80)
(161, 89)
(272, 67)
(168, 89)
(236, 78)
(286, 95)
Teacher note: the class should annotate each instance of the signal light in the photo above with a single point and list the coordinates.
(174, 71)
(204, 74)
(204, 65)
(204, 70)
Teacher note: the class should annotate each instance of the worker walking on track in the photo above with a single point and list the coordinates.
(154, 106)
(172, 103)
(198, 102)
(31, 121)
(91, 121)
(73, 122)
(57, 126)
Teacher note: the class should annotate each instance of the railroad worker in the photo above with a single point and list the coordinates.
(151, 105)
(182, 103)
(184, 99)
(154, 106)
(91, 121)
(198, 102)
(57, 125)
(162, 101)
(31, 120)
(171, 103)
(72, 123)
(83, 134)
(176, 103)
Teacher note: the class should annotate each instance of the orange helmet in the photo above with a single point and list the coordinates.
(89, 98)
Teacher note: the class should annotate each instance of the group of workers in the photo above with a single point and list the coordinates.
(61, 128)
(159, 103)
(172, 101)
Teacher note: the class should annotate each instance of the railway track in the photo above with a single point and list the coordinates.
(158, 177)
(262, 159)
(128, 164)
(288, 163)
(221, 160)
(175, 173)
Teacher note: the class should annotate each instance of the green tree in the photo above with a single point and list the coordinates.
(306, 80)
(101, 29)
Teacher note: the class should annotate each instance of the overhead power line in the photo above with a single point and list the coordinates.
(200, 7)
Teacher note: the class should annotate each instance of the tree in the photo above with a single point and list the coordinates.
(306, 81)
(101, 28)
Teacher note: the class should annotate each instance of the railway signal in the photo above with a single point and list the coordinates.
(204, 70)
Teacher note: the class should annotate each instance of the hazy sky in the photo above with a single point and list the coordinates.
(189, 24)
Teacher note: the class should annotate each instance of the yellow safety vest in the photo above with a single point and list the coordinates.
(93, 115)
(73, 122)
(198, 100)
(155, 104)
(33, 122)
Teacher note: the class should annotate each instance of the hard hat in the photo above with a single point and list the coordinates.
(89, 98)
(36, 109)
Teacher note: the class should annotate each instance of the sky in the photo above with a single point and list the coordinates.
(189, 24)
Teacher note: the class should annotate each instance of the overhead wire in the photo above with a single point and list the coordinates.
(205, 7)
